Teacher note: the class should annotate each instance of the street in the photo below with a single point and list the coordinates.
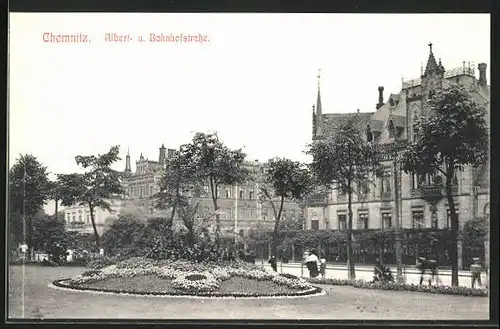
(366, 273)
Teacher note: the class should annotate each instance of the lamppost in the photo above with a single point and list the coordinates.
(399, 275)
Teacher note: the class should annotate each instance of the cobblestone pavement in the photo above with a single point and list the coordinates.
(41, 301)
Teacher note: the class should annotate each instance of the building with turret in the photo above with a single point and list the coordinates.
(422, 201)
(239, 206)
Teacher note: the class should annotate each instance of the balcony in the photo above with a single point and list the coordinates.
(431, 192)
(76, 225)
(317, 199)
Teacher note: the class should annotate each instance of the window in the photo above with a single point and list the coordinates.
(342, 222)
(386, 220)
(80, 218)
(448, 217)
(415, 131)
(74, 217)
(151, 190)
(414, 181)
(363, 221)
(385, 183)
(131, 191)
(418, 219)
(391, 128)
(251, 195)
(218, 191)
(88, 218)
(314, 224)
(242, 194)
(265, 213)
(68, 216)
(369, 134)
(228, 193)
(365, 189)
(434, 220)
(140, 188)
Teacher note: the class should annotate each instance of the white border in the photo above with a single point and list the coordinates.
(322, 293)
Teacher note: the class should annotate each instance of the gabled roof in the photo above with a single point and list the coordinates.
(333, 120)
(398, 120)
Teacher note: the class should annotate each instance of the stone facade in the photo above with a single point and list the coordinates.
(393, 121)
(78, 217)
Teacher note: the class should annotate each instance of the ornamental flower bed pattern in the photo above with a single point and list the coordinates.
(196, 282)
(446, 290)
(191, 278)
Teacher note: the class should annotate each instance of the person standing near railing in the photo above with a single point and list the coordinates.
(476, 269)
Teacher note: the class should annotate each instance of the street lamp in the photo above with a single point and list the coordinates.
(399, 276)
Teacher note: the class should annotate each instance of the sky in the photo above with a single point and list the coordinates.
(253, 81)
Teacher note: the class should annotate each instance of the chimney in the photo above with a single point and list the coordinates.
(482, 74)
(380, 97)
(162, 158)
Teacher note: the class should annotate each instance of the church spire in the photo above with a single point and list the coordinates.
(127, 161)
(319, 110)
(432, 66)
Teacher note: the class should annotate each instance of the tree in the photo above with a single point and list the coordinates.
(194, 222)
(49, 235)
(94, 187)
(28, 193)
(179, 181)
(344, 162)
(453, 136)
(283, 180)
(55, 193)
(125, 236)
(216, 165)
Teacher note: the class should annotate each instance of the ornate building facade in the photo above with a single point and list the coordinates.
(422, 201)
(239, 206)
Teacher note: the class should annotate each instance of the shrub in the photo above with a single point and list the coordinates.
(446, 290)
(91, 272)
(102, 262)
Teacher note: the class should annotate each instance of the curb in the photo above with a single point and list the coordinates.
(59, 285)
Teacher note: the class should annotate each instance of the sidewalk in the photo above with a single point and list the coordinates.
(368, 268)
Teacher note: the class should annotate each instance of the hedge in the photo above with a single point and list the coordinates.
(443, 290)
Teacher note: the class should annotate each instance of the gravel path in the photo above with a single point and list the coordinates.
(338, 303)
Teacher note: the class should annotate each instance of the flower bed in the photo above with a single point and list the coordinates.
(446, 290)
(233, 279)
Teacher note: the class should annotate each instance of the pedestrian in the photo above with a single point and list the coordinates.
(273, 263)
(476, 269)
(313, 263)
(322, 265)
(425, 265)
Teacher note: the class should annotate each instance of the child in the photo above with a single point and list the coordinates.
(322, 266)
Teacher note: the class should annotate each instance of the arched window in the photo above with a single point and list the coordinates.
(391, 129)
(369, 134)
(486, 210)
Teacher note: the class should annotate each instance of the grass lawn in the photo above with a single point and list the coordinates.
(339, 303)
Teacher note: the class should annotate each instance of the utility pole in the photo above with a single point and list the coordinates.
(397, 227)
(235, 214)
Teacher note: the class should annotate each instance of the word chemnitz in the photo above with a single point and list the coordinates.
(65, 38)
